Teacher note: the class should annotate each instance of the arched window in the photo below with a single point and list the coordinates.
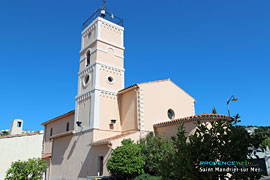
(51, 131)
(87, 58)
(67, 127)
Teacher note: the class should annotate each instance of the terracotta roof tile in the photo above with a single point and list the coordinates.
(204, 116)
(46, 156)
(108, 140)
(127, 88)
(59, 117)
(19, 135)
(66, 133)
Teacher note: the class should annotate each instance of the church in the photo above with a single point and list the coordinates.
(78, 143)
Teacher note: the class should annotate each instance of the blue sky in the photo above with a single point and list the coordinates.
(212, 49)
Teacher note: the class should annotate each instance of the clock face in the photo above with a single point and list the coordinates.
(86, 80)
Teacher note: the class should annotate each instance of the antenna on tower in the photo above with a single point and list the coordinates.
(103, 10)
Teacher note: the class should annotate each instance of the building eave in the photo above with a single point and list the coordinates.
(108, 141)
(46, 156)
(127, 89)
(59, 117)
(67, 133)
(21, 135)
(200, 117)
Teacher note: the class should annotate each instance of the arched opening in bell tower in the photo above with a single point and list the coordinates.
(87, 58)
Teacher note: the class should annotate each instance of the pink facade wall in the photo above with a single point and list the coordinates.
(169, 131)
(128, 110)
(159, 97)
(74, 157)
(58, 126)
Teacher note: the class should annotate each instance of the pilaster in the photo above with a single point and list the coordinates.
(95, 109)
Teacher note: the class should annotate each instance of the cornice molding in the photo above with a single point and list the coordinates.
(86, 70)
(106, 51)
(99, 65)
(90, 27)
(110, 67)
(110, 24)
(83, 96)
(88, 94)
(110, 43)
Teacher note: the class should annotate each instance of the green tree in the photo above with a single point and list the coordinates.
(266, 142)
(224, 141)
(214, 111)
(154, 149)
(126, 161)
(4, 133)
(25, 170)
(147, 177)
(264, 132)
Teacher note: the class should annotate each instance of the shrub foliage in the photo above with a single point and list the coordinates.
(25, 170)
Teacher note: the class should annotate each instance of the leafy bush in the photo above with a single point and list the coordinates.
(126, 161)
(23, 170)
(224, 141)
(147, 177)
(154, 150)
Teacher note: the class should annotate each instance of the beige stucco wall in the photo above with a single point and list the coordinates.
(84, 112)
(169, 131)
(19, 148)
(86, 40)
(100, 134)
(109, 111)
(134, 136)
(109, 54)
(110, 34)
(58, 126)
(93, 55)
(105, 84)
(128, 110)
(82, 87)
(159, 97)
(73, 157)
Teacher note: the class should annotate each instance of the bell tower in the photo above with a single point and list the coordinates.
(101, 72)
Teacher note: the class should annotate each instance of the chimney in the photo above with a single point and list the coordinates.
(16, 127)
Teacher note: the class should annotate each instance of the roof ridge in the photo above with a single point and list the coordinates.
(156, 81)
(22, 134)
(148, 82)
(123, 134)
(58, 117)
(192, 118)
(62, 134)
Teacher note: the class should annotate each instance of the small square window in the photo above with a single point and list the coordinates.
(113, 121)
(19, 124)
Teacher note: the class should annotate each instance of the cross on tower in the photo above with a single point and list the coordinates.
(103, 2)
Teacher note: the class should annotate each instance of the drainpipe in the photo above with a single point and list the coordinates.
(50, 170)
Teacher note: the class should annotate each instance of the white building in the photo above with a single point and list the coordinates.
(19, 146)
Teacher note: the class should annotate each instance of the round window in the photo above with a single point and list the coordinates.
(171, 114)
(86, 80)
(110, 79)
